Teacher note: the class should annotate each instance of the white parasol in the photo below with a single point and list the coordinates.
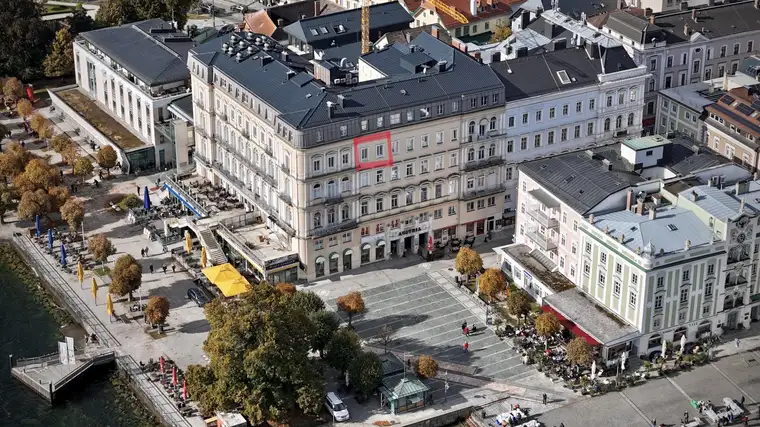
(664, 346)
(683, 343)
(593, 370)
(623, 358)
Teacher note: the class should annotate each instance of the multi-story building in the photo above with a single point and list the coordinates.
(468, 19)
(131, 73)
(689, 46)
(732, 128)
(352, 174)
(600, 220)
(566, 100)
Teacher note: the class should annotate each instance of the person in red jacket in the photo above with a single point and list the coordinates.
(466, 346)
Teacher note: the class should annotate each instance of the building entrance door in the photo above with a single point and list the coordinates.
(408, 243)
(731, 320)
(394, 247)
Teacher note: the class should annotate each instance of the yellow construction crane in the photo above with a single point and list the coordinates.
(448, 10)
(365, 26)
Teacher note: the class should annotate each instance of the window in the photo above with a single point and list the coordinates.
(380, 176)
(586, 269)
(632, 299)
(722, 53)
(591, 104)
(511, 121)
(609, 100)
(575, 225)
(563, 135)
(706, 310)
(669, 62)
(708, 289)
(395, 118)
(439, 137)
(618, 268)
(750, 46)
(524, 143)
(550, 137)
(602, 279)
(590, 129)
(537, 140)
(364, 207)
(565, 109)
(394, 201)
(621, 98)
(424, 166)
(438, 162)
(577, 131)
(394, 173)
(616, 288)
(538, 115)
(684, 296)
(510, 146)
(658, 302)
(380, 122)
(319, 244)
(424, 141)
(409, 169)
(454, 134)
(578, 107)
(380, 151)
(631, 119)
(634, 279)
(410, 144)
(656, 323)
(711, 268)
(685, 276)
(602, 257)
(736, 48)
(364, 179)
(574, 249)
(588, 248)
(525, 118)
(379, 205)
(316, 165)
(453, 159)
(452, 210)
(552, 112)
(364, 154)
(660, 282)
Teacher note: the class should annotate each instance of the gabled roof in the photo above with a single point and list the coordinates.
(151, 50)
(342, 24)
(631, 26)
(485, 11)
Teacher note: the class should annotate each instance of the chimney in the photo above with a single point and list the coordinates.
(686, 30)
(330, 109)
(265, 60)
(725, 76)
(640, 207)
(474, 7)
(741, 188)
(694, 15)
(284, 56)
(341, 100)
(591, 218)
(560, 44)
(280, 22)
(524, 19)
(434, 31)
(290, 74)
(741, 206)
(648, 12)
(606, 165)
(687, 245)
(442, 66)
(653, 213)
(628, 200)
(683, 6)
(622, 238)
(651, 19)
(694, 196)
(316, 8)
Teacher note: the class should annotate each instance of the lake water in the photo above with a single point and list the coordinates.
(27, 330)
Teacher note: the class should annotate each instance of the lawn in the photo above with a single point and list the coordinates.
(102, 271)
(52, 9)
(103, 122)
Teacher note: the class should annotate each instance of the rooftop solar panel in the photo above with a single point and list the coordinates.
(745, 109)
(756, 104)
(727, 99)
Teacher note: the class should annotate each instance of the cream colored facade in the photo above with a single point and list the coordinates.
(729, 144)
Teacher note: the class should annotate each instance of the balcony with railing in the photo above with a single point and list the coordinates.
(334, 228)
(248, 162)
(181, 190)
(483, 192)
(489, 135)
(485, 163)
(541, 240)
(325, 171)
(542, 218)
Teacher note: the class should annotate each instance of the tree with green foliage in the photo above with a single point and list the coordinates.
(126, 276)
(119, 12)
(579, 352)
(366, 373)
(343, 347)
(518, 303)
(60, 61)
(25, 38)
(60, 142)
(547, 324)
(106, 158)
(259, 346)
(325, 323)
(308, 301)
(80, 21)
(70, 154)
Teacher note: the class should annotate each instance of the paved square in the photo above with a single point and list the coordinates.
(427, 320)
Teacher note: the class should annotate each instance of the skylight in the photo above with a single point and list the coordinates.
(672, 227)
(563, 77)
(323, 30)
(314, 32)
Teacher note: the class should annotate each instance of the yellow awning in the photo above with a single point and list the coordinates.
(227, 279)
(231, 288)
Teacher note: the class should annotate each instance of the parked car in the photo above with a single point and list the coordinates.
(198, 296)
(337, 408)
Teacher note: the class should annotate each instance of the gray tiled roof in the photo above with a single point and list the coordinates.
(724, 203)
(669, 231)
(380, 16)
(155, 57)
(185, 105)
(301, 101)
(537, 74)
(578, 180)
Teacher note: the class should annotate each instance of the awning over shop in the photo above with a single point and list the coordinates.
(571, 326)
(227, 279)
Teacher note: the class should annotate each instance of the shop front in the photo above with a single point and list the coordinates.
(409, 236)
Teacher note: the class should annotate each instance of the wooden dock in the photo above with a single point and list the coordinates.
(47, 376)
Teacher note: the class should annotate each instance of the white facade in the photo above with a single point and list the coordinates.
(123, 96)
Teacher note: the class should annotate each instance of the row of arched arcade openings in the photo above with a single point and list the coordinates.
(334, 262)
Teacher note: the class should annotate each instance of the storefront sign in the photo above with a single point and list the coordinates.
(282, 261)
(409, 230)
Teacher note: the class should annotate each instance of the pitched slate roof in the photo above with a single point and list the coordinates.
(302, 101)
(151, 50)
(341, 24)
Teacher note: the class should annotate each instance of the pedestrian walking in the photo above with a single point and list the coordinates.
(174, 268)
(142, 253)
(164, 267)
(545, 398)
(561, 424)
(466, 347)
(146, 251)
(466, 331)
(464, 325)
(138, 189)
(742, 401)
(61, 171)
(736, 342)
(654, 422)
(150, 267)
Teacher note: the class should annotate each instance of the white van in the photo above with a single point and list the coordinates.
(336, 407)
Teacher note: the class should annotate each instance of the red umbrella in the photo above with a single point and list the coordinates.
(174, 375)
(161, 363)
(430, 244)
(184, 390)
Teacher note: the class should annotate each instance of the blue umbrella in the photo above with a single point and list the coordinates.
(146, 199)
(63, 255)
(50, 239)
(37, 225)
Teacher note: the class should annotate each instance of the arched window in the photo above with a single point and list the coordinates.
(263, 162)
(632, 91)
(471, 128)
(482, 152)
(331, 216)
(316, 191)
(332, 188)
(471, 155)
(345, 213)
(317, 220)
(345, 184)
(492, 124)
(619, 122)
(319, 266)
(630, 119)
(607, 124)
(491, 150)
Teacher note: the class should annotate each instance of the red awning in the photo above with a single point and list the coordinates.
(570, 325)
(648, 122)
